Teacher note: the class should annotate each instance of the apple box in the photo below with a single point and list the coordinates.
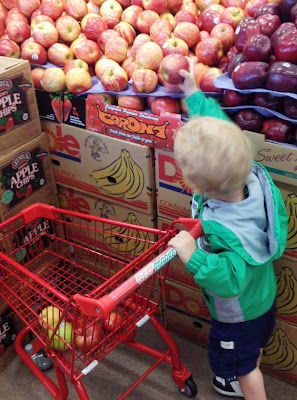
(134, 126)
(177, 272)
(186, 313)
(280, 159)
(27, 177)
(174, 195)
(280, 354)
(102, 166)
(19, 117)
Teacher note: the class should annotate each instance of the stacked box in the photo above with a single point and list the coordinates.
(19, 117)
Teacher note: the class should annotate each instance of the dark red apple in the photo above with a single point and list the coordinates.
(284, 28)
(268, 100)
(250, 75)
(268, 23)
(285, 9)
(232, 52)
(257, 48)
(290, 107)
(235, 60)
(170, 67)
(165, 104)
(249, 120)
(269, 8)
(285, 48)
(277, 129)
(244, 31)
(282, 77)
(232, 98)
(294, 13)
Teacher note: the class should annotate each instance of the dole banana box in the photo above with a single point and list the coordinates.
(102, 166)
(27, 177)
(177, 272)
(19, 117)
(174, 195)
(280, 353)
(279, 159)
(186, 313)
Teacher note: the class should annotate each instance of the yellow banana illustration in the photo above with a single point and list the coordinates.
(286, 292)
(280, 353)
(125, 239)
(291, 207)
(123, 177)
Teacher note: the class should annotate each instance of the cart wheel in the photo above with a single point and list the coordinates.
(191, 388)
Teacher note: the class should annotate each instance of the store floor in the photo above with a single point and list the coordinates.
(123, 366)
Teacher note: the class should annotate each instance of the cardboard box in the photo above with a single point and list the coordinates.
(26, 176)
(103, 166)
(280, 354)
(177, 272)
(186, 313)
(19, 118)
(280, 159)
(174, 195)
(135, 126)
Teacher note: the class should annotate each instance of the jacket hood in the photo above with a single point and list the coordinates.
(255, 228)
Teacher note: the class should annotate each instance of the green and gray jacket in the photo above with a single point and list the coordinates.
(233, 261)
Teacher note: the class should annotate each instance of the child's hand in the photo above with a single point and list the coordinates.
(189, 86)
(184, 244)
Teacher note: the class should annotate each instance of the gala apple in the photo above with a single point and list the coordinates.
(114, 79)
(144, 80)
(77, 80)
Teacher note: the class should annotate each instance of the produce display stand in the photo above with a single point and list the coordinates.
(67, 301)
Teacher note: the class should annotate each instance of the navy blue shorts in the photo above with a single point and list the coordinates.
(233, 349)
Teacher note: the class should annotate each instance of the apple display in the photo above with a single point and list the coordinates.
(272, 8)
(155, 56)
(114, 79)
(27, 7)
(246, 29)
(252, 7)
(144, 80)
(282, 77)
(18, 31)
(59, 54)
(77, 80)
(132, 102)
(188, 32)
(76, 8)
(225, 33)
(207, 81)
(257, 48)
(62, 337)
(232, 98)
(209, 51)
(76, 63)
(37, 77)
(40, 18)
(175, 46)
(126, 31)
(250, 75)
(249, 119)
(34, 53)
(232, 16)
(91, 337)
(52, 8)
(145, 20)
(285, 48)
(105, 36)
(116, 49)
(208, 19)
(130, 15)
(268, 24)
(53, 80)
(161, 25)
(87, 50)
(94, 27)
(139, 41)
(277, 130)
(102, 64)
(45, 34)
(165, 104)
(170, 67)
(49, 316)
(284, 28)
(9, 48)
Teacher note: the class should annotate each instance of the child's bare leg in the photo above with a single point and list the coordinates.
(252, 384)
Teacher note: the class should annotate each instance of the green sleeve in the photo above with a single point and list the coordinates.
(203, 106)
(223, 274)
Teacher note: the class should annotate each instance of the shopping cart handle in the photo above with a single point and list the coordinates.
(193, 225)
(94, 307)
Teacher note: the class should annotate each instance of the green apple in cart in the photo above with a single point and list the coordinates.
(65, 332)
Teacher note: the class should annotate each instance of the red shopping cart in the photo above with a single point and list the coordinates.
(82, 285)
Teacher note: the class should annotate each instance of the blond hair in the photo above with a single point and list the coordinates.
(214, 155)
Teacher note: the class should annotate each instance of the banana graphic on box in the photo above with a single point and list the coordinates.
(291, 207)
(126, 239)
(280, 353)
(286, 299)
(123, 177)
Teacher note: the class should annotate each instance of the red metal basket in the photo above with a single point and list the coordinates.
(56, 266)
